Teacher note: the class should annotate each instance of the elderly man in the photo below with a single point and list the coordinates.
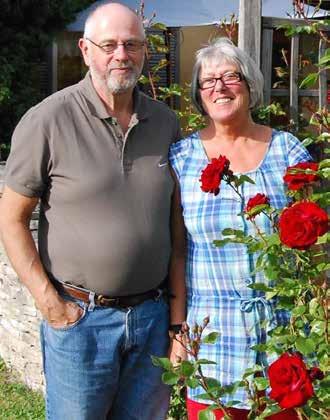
(95, 154)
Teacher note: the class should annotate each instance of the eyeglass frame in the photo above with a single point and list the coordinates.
(240, 79)
(124, 44)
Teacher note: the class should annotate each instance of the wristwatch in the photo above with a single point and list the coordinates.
(174, 329)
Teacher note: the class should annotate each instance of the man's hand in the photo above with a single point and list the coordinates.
(61, 313)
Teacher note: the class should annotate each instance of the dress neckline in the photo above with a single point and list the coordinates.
(260, 164)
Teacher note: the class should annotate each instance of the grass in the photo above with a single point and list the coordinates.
(17, 401)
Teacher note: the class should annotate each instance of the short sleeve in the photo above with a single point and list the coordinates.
(177, 156)
(296, 151)
(29, 158)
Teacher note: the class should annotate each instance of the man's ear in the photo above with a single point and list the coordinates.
(84, 48)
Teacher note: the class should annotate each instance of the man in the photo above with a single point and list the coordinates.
(95, 154)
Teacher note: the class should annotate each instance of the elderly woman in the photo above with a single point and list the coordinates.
(226, 86)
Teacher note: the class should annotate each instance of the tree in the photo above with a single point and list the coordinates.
(27, 29)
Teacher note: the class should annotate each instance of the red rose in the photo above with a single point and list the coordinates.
(213, 173)
(290, 383)
(257, 200)
(297, 180)
(301, 224)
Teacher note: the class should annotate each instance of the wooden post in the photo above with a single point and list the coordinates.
(249, 30)
(266, 65)
(294, 80)
(322, 78)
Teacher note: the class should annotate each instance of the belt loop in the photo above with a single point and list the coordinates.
(91, 298)
(159, 295)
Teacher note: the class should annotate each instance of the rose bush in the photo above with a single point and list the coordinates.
(294, 270)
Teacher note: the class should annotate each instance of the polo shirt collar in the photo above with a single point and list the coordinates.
(97, 108)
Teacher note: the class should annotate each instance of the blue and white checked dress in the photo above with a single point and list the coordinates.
(217, 278)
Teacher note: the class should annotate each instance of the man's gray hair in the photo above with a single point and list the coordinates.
(223, 50)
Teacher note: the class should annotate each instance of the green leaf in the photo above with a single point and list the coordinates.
(213, 384)
(299, 310)
(325, 59)
(170, 378)
(325, 163)
(323, 266)
(259, 347)
(159, 26)
(260, 286)
(308, 141)
(309, 81)
(144, 80)
(305, 345)
(206, 414)
(261, 383)
(232, 403)
(221, 242)
(235, 232)
(324, 239)
(270, 295)
(269, 410)
(205, 362)
(318, 327)
(186, 368)
(162, 362)
(251, 371)
(273, 239)
(211, 338)
(244, 178)
(257, 209)
(192, 383)
(314, 306)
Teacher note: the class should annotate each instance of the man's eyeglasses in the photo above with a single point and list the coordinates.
(131, 46)
(230, 78)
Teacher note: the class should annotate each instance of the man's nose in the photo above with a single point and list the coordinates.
(120, 52)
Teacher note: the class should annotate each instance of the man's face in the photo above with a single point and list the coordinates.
(118, 70)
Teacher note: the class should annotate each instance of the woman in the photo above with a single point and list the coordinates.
(226, 86)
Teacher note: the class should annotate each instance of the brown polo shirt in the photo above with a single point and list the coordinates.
(105, 196)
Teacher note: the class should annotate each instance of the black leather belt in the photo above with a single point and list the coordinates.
(102, 300)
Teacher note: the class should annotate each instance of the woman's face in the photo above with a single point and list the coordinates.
(225, 102)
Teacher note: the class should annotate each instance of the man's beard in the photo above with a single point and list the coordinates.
(120, 83)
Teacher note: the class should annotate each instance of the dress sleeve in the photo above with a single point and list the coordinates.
(177, 156)
(29, 160)
(296, 151)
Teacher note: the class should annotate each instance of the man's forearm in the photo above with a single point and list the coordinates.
(15, 215)
(24, 257)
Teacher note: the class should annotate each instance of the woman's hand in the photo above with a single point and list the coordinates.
(176, 352)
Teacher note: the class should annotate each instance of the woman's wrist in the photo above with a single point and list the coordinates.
(174, 330)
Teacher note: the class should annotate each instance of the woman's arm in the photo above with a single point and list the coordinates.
(177, 272)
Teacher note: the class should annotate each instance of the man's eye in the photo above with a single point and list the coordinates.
(109, 46)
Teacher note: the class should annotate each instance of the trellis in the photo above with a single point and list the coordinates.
(256, 38)
(268, 27)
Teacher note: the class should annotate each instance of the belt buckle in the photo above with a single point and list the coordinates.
(104, 301)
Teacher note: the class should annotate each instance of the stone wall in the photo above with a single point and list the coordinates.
(19, 323)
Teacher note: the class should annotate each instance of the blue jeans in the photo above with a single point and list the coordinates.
(100, 367)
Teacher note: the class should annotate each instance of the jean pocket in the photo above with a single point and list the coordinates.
(74, 324)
